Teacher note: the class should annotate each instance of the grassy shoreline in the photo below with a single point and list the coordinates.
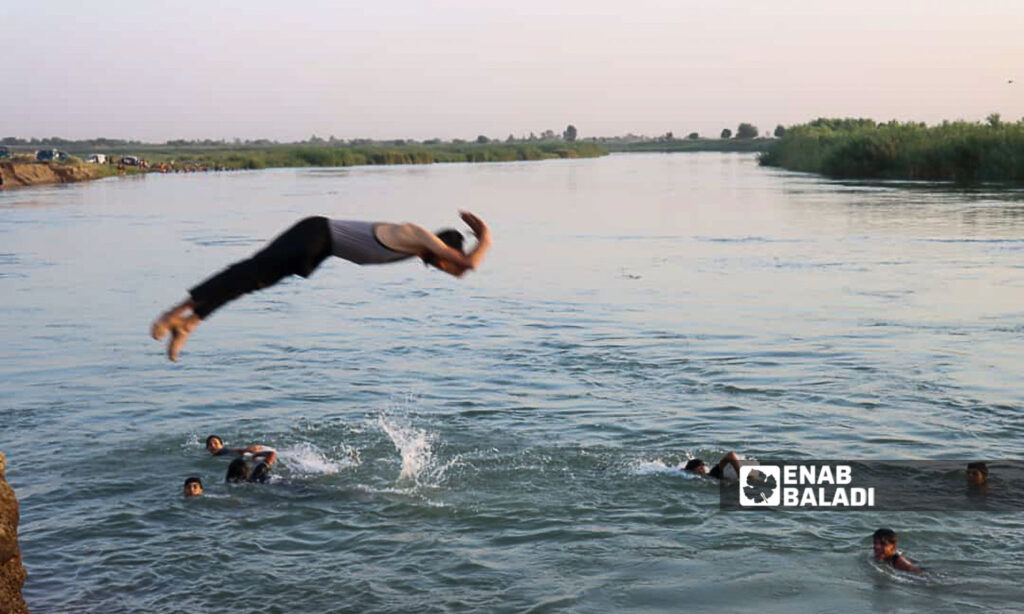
(239, 157)
(362, 155)
(22, 170)
(961, 152)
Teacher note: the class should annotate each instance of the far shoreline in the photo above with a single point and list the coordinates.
(23, 170)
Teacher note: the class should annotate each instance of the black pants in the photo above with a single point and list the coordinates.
(297, 251)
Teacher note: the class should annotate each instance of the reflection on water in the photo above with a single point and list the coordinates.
(510, 441)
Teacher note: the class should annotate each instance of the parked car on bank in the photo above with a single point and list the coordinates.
(97, 159)
(51, 155)
(4, 153)
(129, 161)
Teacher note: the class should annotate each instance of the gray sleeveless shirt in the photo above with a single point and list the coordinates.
(356, 242)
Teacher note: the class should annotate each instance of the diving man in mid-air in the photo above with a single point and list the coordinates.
(301, 249)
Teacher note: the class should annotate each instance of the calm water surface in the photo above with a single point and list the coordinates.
(508, 442)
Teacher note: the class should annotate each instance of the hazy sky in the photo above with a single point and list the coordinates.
(156, 70)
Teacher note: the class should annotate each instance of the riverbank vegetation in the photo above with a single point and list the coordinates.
(262, 153)
(316, 151)
(964, 152)
(377, 154)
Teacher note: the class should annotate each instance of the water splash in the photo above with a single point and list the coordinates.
(415, 446)
(927, 577)
(656, 466)
(192, 443)
(307, 458)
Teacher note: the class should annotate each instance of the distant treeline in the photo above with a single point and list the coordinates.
(689, 144)
(533, 146)
(131, 147)
(961, 151)
(56, 142)
(317, 151)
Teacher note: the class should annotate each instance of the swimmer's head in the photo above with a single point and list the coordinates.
(238, 471)
(885, 542)
(697, 466)
(193, 487)
(214, 444)
(453, 239)
(977, 473)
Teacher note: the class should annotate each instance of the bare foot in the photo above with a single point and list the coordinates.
(180, 329)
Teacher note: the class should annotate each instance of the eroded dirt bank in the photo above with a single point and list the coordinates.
(22, 174)
(12, 572)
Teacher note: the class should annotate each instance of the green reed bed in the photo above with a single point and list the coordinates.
(349, 155)
(964, 152)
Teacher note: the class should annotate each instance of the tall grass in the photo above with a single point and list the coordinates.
(965, 152)
(349, 155)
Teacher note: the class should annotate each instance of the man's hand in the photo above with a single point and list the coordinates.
(478, 226)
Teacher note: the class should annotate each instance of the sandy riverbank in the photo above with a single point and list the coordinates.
(22, 174)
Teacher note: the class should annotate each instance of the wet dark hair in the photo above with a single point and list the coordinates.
(260, 473)
(211, 438)
(452, 238)
(982, 467)
(238, 471)
(885, 535)
(692, 464)
(193, 479)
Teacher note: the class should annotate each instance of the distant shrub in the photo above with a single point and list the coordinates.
(746, 131)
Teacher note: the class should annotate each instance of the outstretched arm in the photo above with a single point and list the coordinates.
(253, 449)
(267, 455)
(730, 459)
(483, 237)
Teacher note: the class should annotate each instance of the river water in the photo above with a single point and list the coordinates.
(509, 441)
